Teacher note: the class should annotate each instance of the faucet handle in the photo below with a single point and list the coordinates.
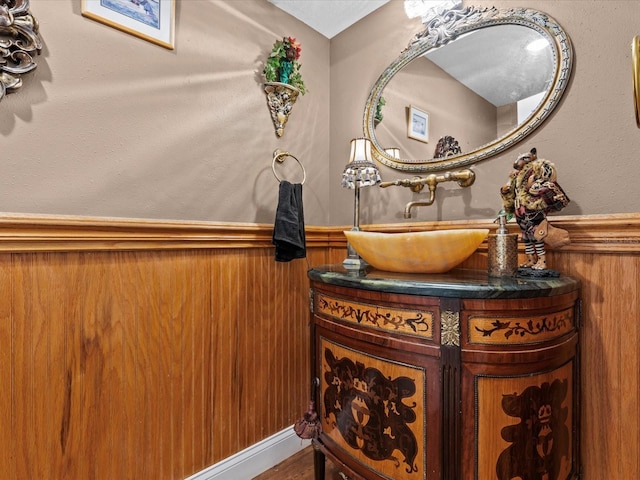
(465, 177)
(403, 182)
(415, 184)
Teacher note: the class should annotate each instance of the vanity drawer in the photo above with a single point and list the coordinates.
(415, 321)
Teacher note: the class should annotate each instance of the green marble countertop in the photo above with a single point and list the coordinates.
(458, 283)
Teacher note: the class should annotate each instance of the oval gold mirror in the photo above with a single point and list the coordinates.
(477, 81)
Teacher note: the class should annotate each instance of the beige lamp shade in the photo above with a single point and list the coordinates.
(361, 171)
(393, 152)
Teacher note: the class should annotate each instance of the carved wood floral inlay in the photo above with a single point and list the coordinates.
(412, 322)
(493, 330)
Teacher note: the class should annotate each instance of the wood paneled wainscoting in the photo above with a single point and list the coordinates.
(152, 350)
(146, 350)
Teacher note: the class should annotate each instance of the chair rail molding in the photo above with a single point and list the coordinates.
(614, 233)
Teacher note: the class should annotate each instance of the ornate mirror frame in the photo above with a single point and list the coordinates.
(635, 65)
(446, 28)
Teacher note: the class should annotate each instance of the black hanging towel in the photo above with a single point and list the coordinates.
(288, 230)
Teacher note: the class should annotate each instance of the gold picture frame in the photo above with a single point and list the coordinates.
(151, 20)
(635, 63)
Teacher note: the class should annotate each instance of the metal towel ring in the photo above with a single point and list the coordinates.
(280, 156)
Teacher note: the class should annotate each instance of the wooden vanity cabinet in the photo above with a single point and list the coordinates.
(453, 377)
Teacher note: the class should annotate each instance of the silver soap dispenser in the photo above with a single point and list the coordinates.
(503, 250)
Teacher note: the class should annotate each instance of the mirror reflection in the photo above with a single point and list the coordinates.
(477, 89)
(485, 79)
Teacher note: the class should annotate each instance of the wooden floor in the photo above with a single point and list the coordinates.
(299, 467)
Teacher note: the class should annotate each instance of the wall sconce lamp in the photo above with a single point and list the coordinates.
(393, 152)
(360, 172)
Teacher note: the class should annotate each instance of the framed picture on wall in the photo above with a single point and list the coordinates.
(152, 20)
(418, 124)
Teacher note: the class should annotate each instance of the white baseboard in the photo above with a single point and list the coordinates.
(254, 460)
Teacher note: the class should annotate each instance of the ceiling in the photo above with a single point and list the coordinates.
(329, 17)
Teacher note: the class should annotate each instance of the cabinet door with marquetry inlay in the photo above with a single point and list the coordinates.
(520, 389)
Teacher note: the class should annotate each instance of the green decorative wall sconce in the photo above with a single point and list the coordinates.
(283, 80)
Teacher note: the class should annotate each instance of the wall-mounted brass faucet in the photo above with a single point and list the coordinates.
(465, 178)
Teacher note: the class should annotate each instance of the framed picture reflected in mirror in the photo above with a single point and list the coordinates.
(418, 124)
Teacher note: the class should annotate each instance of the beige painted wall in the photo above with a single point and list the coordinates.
(112, 125)
(592, 137)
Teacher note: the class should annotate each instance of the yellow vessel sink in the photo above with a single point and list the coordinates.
(417, 252)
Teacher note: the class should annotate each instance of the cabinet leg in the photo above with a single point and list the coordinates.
(319, 462)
